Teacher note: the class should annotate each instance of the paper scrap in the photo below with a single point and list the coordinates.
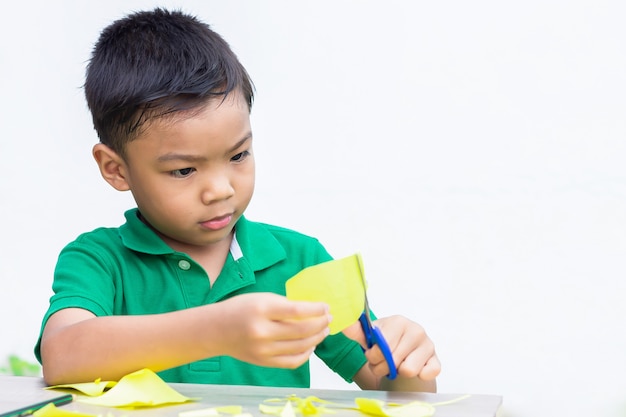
(308, 406)
(230, 409)
(287, 410)
(93, 389)
(379, 408)
(143, 388)
(292, 406)
(51, 410)
(338, 283)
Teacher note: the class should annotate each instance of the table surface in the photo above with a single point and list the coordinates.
(17, 391)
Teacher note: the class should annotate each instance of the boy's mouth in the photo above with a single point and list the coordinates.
(217, 223)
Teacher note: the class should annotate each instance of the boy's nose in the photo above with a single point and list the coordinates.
(216, 188)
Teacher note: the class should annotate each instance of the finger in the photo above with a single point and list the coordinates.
(290, 361)
(375, 356)
(410, 350)
(285, 309)
(379, 368)
(294, 346)
(290, 344)
(414, 363)
(317, 327)
(431, 369)
(377, 361)
(284, 353)
(355, 332)
(419, 363)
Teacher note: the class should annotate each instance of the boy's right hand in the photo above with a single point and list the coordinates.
(267, 329)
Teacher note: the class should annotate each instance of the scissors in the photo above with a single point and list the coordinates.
(373, 335)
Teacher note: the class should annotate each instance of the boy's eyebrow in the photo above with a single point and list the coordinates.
(193, 158)
(180, 157)
(243, 140)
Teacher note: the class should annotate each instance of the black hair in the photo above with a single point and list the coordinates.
(157, 63)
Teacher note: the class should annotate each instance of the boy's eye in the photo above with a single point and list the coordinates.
(240, 156)
(182, 173)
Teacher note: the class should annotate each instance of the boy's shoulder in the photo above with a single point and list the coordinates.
(133, 234)
(98, 235)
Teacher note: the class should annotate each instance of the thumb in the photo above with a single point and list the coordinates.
(355, 332)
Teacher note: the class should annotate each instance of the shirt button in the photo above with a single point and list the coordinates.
(184, 265)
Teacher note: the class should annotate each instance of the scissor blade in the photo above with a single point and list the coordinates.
(366, 306)
(373, 335)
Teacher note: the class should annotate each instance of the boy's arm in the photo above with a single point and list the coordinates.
(261, 328)
(413, 353)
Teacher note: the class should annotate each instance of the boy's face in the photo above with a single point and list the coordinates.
(193, 177)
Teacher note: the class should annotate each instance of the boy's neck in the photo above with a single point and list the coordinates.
(212, 257)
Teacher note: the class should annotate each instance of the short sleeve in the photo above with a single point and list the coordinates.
(83, 278)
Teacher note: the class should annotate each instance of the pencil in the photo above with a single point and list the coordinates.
(30, 409)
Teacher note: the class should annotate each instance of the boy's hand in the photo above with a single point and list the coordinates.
(412, 350)
(261, 328)
(269, 330)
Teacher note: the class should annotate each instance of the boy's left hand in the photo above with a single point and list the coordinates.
(412, 350)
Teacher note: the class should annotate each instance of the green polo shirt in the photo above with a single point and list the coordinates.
(130, 271)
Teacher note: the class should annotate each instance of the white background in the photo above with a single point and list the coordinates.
(473, 152)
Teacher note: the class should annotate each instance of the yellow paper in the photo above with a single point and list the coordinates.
(288, 411)
(338, 283)
(92, 389)
(51, 410)
(294, 405)
(139, 389)
(312, 406)
(230, 409)
(378, 408)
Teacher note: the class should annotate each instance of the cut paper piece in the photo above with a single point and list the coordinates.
(232, 410)
(51, 410)
(413, 409)
(312, 406)
(381, 409)
(93, 389)
(143, 388)
(338, 283)
(293, 405)
(287, 410)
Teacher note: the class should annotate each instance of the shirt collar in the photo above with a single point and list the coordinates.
(258, 245)
(138, 236)
(252, 241)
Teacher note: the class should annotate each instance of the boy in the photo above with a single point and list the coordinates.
(188, 286)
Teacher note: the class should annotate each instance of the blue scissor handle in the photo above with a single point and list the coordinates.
(373, 336)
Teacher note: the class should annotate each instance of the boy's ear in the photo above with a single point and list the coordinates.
(112, 166)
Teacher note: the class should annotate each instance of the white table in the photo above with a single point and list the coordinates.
(18, 391)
